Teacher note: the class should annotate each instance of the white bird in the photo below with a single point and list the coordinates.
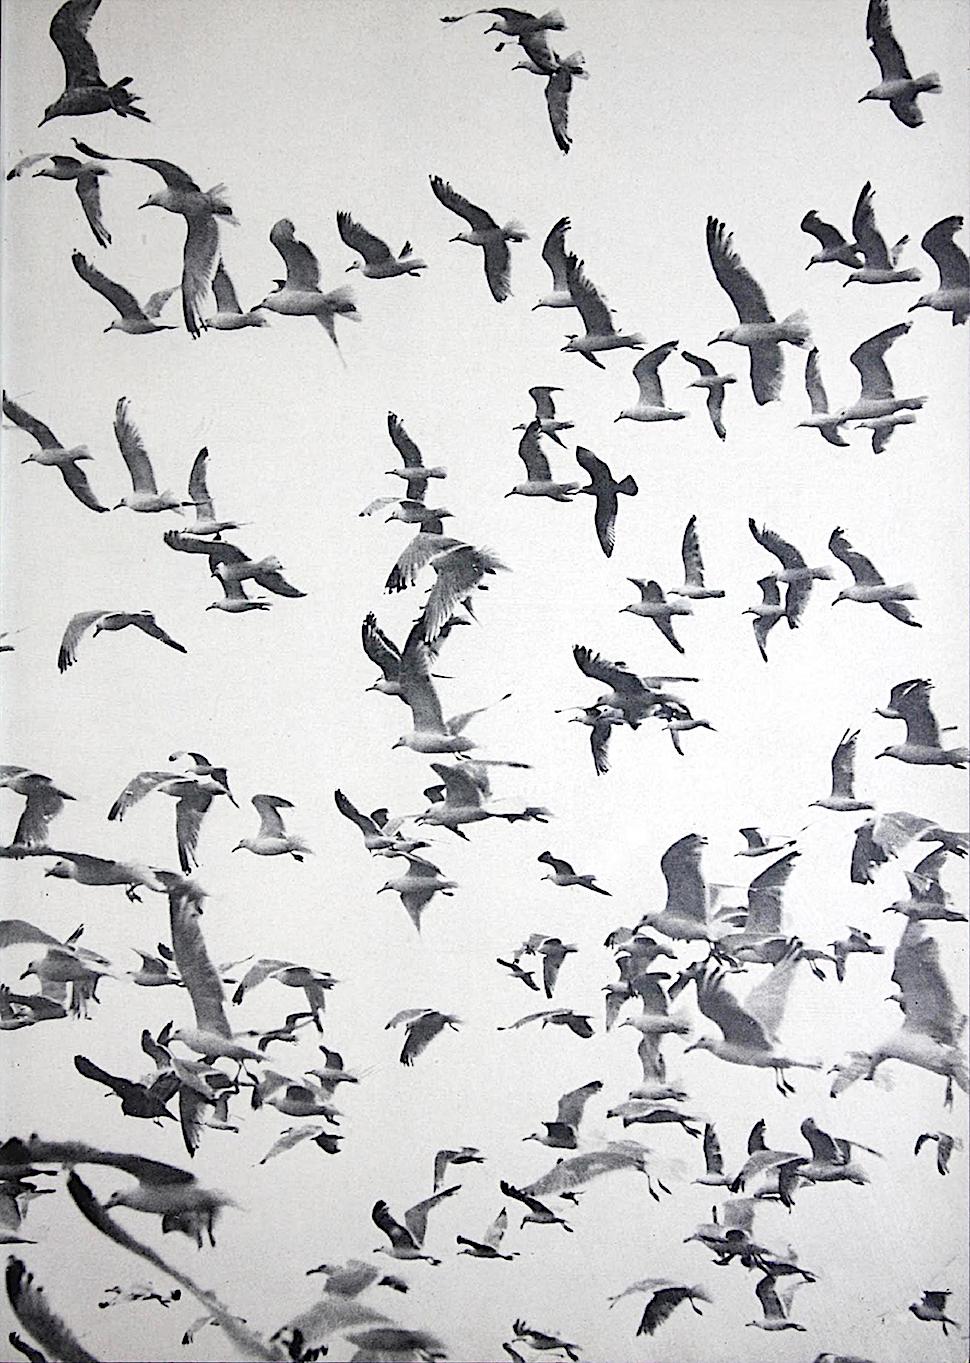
(665, 1297)
(228, 315)
(767, 614)
(546, 414)
(485, 232)
(876, 397)
(272, 839)
(880, 838)
(85, 175)
(606, 489)
(928, 900)
(597, 317)
(686, 914)
(228, 563)
(897, 84)
(84, 90)
(843, 798)
(300, 295)
(554, 254)
(714, 384)
(636, 698)
(194, 795)
(758, 329)
(776, 1307)
(760, 844)
(44, 801)
(869, 586)
(52, 453)
(415, 473)
(653, 605)
(880, 263)
(822, 420)
(835, 248)
(932, 1307)
(690, 553)
(134, 319)
(380, 833)
(650, 405)
(490, 1246)
(95, 871)
(417, 887)
(561, 1133)
(539, 480)
(144, 495)
(562, 874)
(922, 746)
(794, 570)
(432, 733)
(206, 520)
(466, 791)
(377, 260)
(107, 621)
(952, 295)
(407, 1241)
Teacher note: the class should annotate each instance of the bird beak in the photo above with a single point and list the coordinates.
(146, 204)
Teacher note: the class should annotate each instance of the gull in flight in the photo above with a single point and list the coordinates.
(144, 495)
(517, 23)
(51, 452)
(635, 698)
(932, 1307)
(407, 1241)
(133, 319)
(466, 1154)
(387, 656)
(85, 175)
(835, 248)
(537, 1212)
(415, 473)
(713, 1175)
(928, 900)
(945, 1146)
(206, 520)
(546, 414)
(953, 293)
(417, 887)
(795, 571)
(459, 569)
(485, 232)
(597, 317)
(600, 720)
(761, 844)
(605, 488)
(432, 733)
(665, 1297)
(99, 622)
(380, 832)
(87, 870)
(870, 587)
(272, 839)
(378, 260)
(650, 405)
(578, 1023)
(313, 983)
(880, 838)
(561, 1133)
(553, 951)
(539, 480)
(690, 553)
(229, 564)
(554, 254)
(562, 874)
(897, 84)
(822, 419)
(44, 801)
(466, 789)
(767, 614)
(421, 1026)
(300, 295)
(539, 1340)
(758, 329)
(193, 794)
(490, 1246)
(685, 915)
(876, 398)
(922, 746)
(653, 605)
(880, 262)
(842, 798)
(714, 384)
(776, 1308)
(84, 90)
(228, 315)
(560, 72)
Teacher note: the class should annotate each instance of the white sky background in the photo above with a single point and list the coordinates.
(746, 111)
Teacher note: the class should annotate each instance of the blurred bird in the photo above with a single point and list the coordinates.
(84, 90)
(897, 84)
(421, 1026)
(407, 1241)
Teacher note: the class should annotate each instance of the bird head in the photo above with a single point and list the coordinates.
(50, 112)
(870, 94)
(153, 200)
(841, 597)
(704, 1043)
(852, 279)
(721, 336)
(354, 265)
(923, 302)
(887, 752)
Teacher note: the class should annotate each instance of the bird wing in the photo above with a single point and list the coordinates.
(739, 1027)
(398, 1236)
(416, 554)
(68, 32)
(571, 1105)
(133, 450)
(258, 972)
(764, 896)
(126, 303)
(148, 625)
(77, 627)
(476, 217)
(770, 1303)
(463, 786)
(921, 725)
(403, 443)
(420, 1033)
(270, 819)
(885, 48)
(743, 290)
(814, 387)
(558, 88)
(198, 486)
(599, 742)
(90, 1070)
(379, 648)
(77, 480)
(951, 261)
(554, 254)
(30, 1303)
(824, 232)
(222, 288)
(366, 825)
(137, 788)
(536, 463)
(458, 571)
(192, 961)
(416, 1217)
(189, 812)
(869, 239)
(822, 1145)
(690, 552)
(417, 688)
(558, 867)
(702, 365)
(767, 368)
(713, 1159)
(495, 1232)
(592, 305)
(17, 931)
(199, 262)
(646, 373)
(860, 567)
(765, 1003)
(498, 268)
(666, 627)
(360, 240)
(843, 763)
(156, 301)
(302, 267)
(786, 553)
(868, 359)
(610, 674)
(680, 866)
(927, 999)
(660, 1306)
(44, 436)
(580, 1169)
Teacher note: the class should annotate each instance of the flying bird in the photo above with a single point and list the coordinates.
(99, 622)
(605, 488)
(555, 256)
(650, 405)
(953, 292)
(228, 315)
(577, 1023)
(932, 1307)
(653, 605)
(869, 586)
(562, 1133)
(272, 839)
(690, 553)
(485, 232)
(794, 571)
(562, 874)
(714, 384)
(597, 317)
(843, 798)
(300, 294)
(922, 746)
(43, 802)
(85, 174)
(879, 262)
(835, 248)
(421, 1026)
(546, 414)
(636, 698)
(417, 887)
(376, 258)
(415, 473)
(665, 1297)
(897, 84)
(822, 419)
(206, 520)
(539, 480)
(229, 564)
(767, 614)
(776, 1307)
(876, 398)
(879, 839)
(193, 795)
(133, 318)
(84, 90)
(51, 452)
(490, 1246)
(945, 1146)
(144, 495)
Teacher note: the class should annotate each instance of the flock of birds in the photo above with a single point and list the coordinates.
(206, 1071)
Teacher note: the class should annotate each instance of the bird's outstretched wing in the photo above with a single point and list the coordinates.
(373, 250)
(302, 266)
(148, 625)
(928, 1001)
(416, 1217)
(30, 1304)
(554, 254)
(403, 443)
(137, 788)
(76, 629)
(680, 866)
(743, 290)
(558, 88)
(885, 49)
(868, 359)
(476, 217)
(950, 260)
(68, 31)
(124, 302)
(861, 568)
(133, 450)
(77, 481)
(192, 959)
(44, 436)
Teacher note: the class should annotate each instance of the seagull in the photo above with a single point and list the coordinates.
(84, 90)
(870, 586)
(387, 656)
(44, 801)
(953, 293)
(206, 521)
(553, 951)
(422, 1025)
(600, 719)
(897, 84)
(554, 254)
(490, 1246)
(843, 799)
(857, 943)
(776, 1308)
(750, 1032)
(538, 1212)
(758, 329)
(945, 1145)
(563, 875)
(85, 175)
(577, 1023)
(378, 837)
(517, 23)
(650, 405)
(466, 790)
(597, 317)
(101, 621)
(228, 315)
(485, 232)
(378, 260)
(928, 899)
(466, 1154)
(932, 1307)
(561, 1133)
(137, 1100)
(653, 605)
(665, 1297)
(760, 844)
(229, 564)
(414, 472)
(545, 416)
(604, 487)
(144, 495)
(690, 552)
(795, 571)
(409, 510)
(300, 294)
(767, 615)
(272, 839)
(234, 600)
(880, 264)
(87, 870)
(636, 698)
(922, 746)
(459, 570)
(64, 967)
(559, 87)
(822, 420)
(539, 480)
(715, 385)
(51, 452)
(432, 733)
(762, 930)
(539, 1340)
(880, 838)
(714, 1175)
(876, 397)
(684, 917)
(193, 794)
(835, 248)
(134, 319)
(422, 881)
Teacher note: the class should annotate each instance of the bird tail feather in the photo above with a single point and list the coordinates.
(553, 19)
(929, 84)
(796, 323)
(628, 486)
(514, 231)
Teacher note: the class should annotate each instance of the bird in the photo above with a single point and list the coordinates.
(206, 521)
(553, 951)
(928, 900)
(537, 1211)
(555, 256)
(876, 398)
(822, 419)
(559, 85)
(134, 319)
(485, 232)
(419, 885)
(953, 292)
(600, 719)
(228, 315)
(378, 837)
(85, 869)
(421, 1026)
(932, 1307)
(577, 1023)
(945, 1145)
(515, 22)
(545, 415)
(540, 1340)
(880, 263)
(760, 844)
(562, 1133)
(84, 90)
(605, 488)
(650, 405)
(714, 384)
(762, 936)
(562, 874)
(758, 329)
(795, 571)
(897, 84)
(193, 797)
(635, 698)
(832, 1157)
(137, 1100)
(100, 621)
(835, 248)
(869, 586)
(272, 839)
(922, 746)
(144, 495)
(714, 1175)
(432, 733)
(300, 294)
(882, 837)
(466, 790)
(466, 1154)
(229, 563)
(653, 605)
(51, 452)
(767, 614)
(539, 480)
(43, 802)
(377, 260)
(415, 473)
(665, 1297)
(597, 317)
(85, 174)
(490, 1246)
(776, 1308)
(843, 798)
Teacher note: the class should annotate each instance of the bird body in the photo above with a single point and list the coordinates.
(485, 232)
(650, 405)
(377, 261)
(563, 875)
(272, 839)
(84, 90)
(953, 293)
(897, 86)
(653, 605)
(869, 586)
